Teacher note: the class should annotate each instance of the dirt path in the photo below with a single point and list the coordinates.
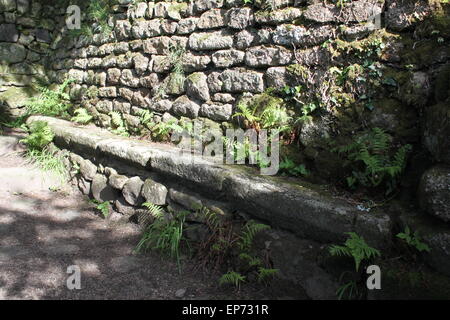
(43, 232)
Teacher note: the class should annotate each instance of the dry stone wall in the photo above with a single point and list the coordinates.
(226, 51)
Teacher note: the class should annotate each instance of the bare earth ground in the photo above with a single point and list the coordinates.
(43, 232)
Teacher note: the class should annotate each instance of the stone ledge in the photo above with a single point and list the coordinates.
(297, 208)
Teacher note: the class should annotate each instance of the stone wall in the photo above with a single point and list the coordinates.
(28, 34)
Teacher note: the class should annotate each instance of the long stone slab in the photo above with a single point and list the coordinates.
(299, 208)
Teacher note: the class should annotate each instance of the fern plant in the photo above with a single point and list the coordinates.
(356, 248)
(81, 116)
(250, 230)
(51, 102)
(163, 235)
(40, 135)
(374, 161)
(233, 278)
(103, 207)
(291, 168)
(413, 240)
(118, 125)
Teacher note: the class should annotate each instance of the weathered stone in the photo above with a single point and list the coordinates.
(176, 10)
(113, 76)
(129, 79)
(437, 131)
(223, 97)
(101, 191)
(434, 192)
(242, 81)
(88, 170)
(298, 35)
(117, 181)
(169, 27)
(185, 107)
(217, 112)
(277, 17)
(8, 33)
(105, 106)
(187, 26)
(197, 86)
(158, 45)
(187, 201)
(140, 63)
(195, 63)
(150, 81)
(84, 186)
(145, 29)
(107, 92)
(7, 5)
(154, 192)
(43, 35)
(245, 39)
(227, 58)
(160, 64)
(203, 5)
(240, 18)
(132, 191)
(210, 41)
(267, 56)
(123, 207)
(400, 16)
(213, 18)
(123, 29)
(161, 106)
(276, 77)
(12, 52)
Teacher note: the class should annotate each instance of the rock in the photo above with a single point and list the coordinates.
(277, 17)
(437, 132)
(267, 56)
(117, 181)
(197, 87)
(301, 36)
(43, 35)
(185, 107)
(8, 33)
(123, 207)
(162, 106)
(210, 41)
(276, 77)
(187, 26)
(400, 16)
(101, 191)
(195, 63)
(12, 52)
(242, 81)
(313, 133)
(132, 191)
(217, 112)
(158, 45)
(187, 201)
(180, 293)
(84, 186)
(154, 192)
(140, 63)
(146, 29)
(227, 58)
(223, 98)
(88, 170)
(7, 5)
(240, 18)
(213, 18)
(434, 192)
(203, 5)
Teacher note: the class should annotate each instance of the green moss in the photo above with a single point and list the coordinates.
(194, 77)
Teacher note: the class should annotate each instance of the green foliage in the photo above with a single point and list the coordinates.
(163, 234)
(413, 240)
(118, 125)
(47, 161)
(356, 248)
(233, 278)
(103, 207)
(291, 168)
(50, 102)
(265, 274)
(373, 161)
(81, 116)
(250, 230)
(40, 135)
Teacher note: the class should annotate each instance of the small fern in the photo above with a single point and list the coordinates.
(233, 278)
(40, 136)
(118, 125)
(81, 116)
(250, 230)
(356, 248)
(413, 240)
(265, 274)
(103, 207)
